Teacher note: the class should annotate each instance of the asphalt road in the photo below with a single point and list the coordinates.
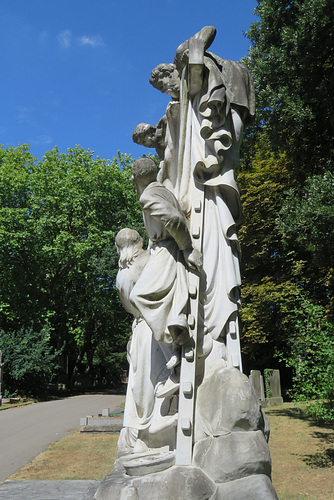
(27, 431)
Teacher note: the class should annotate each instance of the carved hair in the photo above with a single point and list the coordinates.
(144, 170)
(129, 245)
(143, 132)
(164, 69)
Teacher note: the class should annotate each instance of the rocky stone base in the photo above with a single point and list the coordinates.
(233, 456)
(173, 483)
(231, 459)
(188, 483)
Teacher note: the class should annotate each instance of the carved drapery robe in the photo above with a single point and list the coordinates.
(147, 363)
(161, 293)
(211, 123)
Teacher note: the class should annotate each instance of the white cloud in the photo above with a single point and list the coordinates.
(42, 37)
(42, 140)
(93, 41)
(25, 114)
(65, 38)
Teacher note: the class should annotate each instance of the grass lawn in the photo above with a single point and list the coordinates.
(302, 456)
(76, 456)
(23, 402)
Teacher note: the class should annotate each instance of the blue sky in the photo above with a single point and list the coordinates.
(77, 71)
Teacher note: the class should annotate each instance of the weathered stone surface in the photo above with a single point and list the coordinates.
(274, 396)
(266, 430)
(174, 483)
(258, 487)
(51, 490)
(101, 424)
(112, 429)
(149, 464)
(226, 401)
(275, 401)
(233, 456)
(257, 382)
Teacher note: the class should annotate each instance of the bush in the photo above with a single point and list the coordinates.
(29, 359)
(312, 360)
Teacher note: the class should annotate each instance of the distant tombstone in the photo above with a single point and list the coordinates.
(273, 387)
(256, 380)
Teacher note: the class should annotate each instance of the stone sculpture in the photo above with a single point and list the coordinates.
(186, 295)
(146, 423)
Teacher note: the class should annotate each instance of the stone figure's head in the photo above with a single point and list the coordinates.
(129, 244)
(165, 78)
(145, 135)
(144, 171)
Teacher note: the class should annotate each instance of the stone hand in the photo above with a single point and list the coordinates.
(194, 259)
(184, 59)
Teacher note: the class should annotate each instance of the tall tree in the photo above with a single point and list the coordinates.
(286, 177)
(59, 218)
(291, 60)
(265, 268)
(306, 226)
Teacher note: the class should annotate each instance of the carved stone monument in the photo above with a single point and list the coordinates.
(257, 382)
(273, 387)
(193, 424)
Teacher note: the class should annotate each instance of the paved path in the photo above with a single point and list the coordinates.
(48, 490)
(26, 431)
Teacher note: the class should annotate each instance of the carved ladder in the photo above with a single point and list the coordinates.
(187, 393)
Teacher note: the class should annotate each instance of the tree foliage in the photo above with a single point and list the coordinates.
(30, 361)
(59, 217)
(264, 265)
(311, 357)
(306, 225)
(291, 59)
(262, 188)
(286, 184)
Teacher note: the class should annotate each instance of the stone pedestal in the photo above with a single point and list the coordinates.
(174, 483)
(183, 483)
(231, 458)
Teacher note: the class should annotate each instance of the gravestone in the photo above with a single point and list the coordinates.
(273, 387)
(193, 425)
(257, 382)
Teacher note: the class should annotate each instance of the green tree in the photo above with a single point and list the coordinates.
(30, 361)
(16, 167)
(287, 184)
(262, 186)
(306, 225)
(311, 358)
(58, 260)
(291, 60)
(264, 265)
